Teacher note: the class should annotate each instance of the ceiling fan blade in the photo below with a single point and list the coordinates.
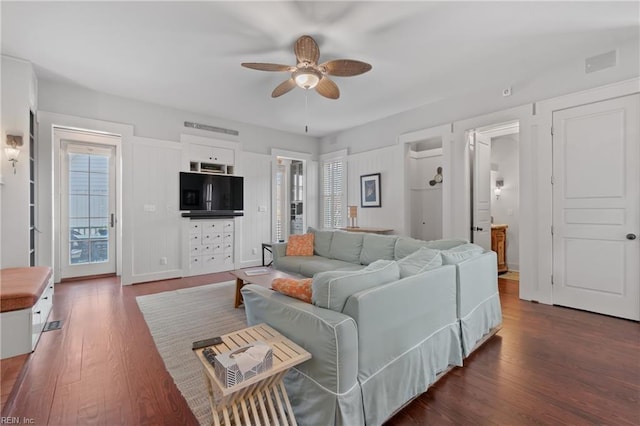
(283, 88)
(267, 67)
(328, 88)
(306, 50)
(345, 67)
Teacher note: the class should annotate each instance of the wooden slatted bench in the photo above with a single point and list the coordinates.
(26, 299)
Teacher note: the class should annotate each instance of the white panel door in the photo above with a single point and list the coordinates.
(481, 190)
(596, 214)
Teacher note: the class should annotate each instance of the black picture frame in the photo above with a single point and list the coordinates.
(370, 190)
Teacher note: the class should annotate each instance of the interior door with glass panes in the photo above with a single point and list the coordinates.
(88, 198)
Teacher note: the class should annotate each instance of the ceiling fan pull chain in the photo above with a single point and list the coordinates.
(306, 111)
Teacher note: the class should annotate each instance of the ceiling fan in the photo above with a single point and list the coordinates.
(307, 74)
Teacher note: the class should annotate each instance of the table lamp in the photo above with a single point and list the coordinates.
(353, 215)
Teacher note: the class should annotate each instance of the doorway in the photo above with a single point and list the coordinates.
(289, 195)
(494, 162)
(88, 203)
(425, 176)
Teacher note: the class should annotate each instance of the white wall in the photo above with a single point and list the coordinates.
(256, 224)
(157, 122)
(151, 139)
(389, 163)
(535, 152)
(425, 200)
(19, 95)
(152, 222)
(505, 210)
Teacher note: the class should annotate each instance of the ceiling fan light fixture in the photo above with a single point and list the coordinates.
(307, 78)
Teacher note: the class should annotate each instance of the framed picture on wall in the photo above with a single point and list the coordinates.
(370, 194)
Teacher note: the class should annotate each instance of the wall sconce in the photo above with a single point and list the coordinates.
(353, 215)
(498, 188)
(12, 151)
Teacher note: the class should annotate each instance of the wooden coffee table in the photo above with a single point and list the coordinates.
(263, 280)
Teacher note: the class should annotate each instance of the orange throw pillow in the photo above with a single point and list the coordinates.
(300, 289)
(300, 245)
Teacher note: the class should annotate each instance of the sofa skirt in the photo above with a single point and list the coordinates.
(410, 374)
(475, 325)
(315, 405)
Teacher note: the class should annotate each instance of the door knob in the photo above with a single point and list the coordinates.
(631, 236)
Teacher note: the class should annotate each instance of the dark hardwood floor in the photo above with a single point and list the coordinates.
(548, 365)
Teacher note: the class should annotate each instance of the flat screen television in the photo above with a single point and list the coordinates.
(200, 192)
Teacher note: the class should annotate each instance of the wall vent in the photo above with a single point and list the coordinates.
(211, 128)
(600, 62)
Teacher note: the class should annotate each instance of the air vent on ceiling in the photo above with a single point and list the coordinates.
(600, 62)
(211, 128)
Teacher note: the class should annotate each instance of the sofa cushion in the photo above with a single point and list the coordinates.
(290, 263)
(405, 246)
(346, 246)
(331, 289)
(376, 247)
(321, 241)
(460, 253)
(309, 266)
(420, 260)
(445, 244)
(300, 245)
(300, 289)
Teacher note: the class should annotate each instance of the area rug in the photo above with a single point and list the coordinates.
(178, 318)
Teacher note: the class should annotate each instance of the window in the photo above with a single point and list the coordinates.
(333, 193)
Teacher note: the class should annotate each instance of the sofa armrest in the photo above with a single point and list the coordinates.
(477, 281)
(330, 337)
(278, 250)
(394, 317)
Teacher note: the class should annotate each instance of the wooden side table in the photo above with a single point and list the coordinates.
(262, 399)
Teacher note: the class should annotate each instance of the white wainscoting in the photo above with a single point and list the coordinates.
(152, 210)
(389, 163)
(256, 224)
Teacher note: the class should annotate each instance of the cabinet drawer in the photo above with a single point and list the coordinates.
(211, 237)
(195, 227)
(212, 226)
(210, 154)
(195, 262)
(213, 259)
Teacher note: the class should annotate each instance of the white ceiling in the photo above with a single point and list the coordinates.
(187, 55)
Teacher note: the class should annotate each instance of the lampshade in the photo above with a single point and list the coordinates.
(353, 211)
(307, 78)
(12, 153)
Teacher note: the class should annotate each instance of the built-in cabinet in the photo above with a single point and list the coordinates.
(32, 190)
(211, 245)
(210, 159)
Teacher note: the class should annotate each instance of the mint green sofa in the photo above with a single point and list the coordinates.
(382, 327)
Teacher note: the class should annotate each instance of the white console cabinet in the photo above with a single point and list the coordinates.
(211, 245)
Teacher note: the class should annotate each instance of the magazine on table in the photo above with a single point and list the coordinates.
(257, 271)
